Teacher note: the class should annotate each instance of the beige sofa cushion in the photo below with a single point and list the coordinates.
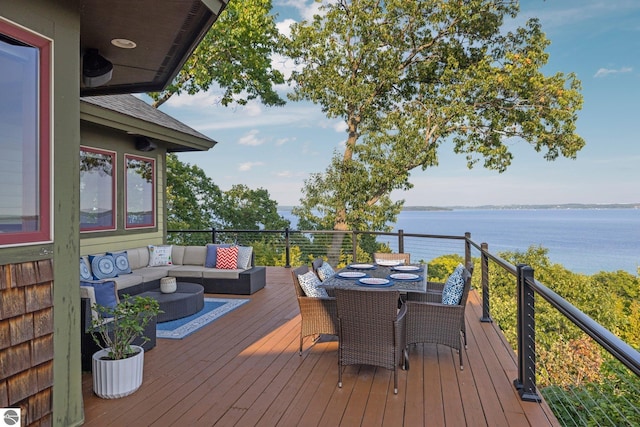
(216, 273)
(138, 257)
(177, 254)
(127, 280)
(153, 273)
(187, 271)
(194, 255)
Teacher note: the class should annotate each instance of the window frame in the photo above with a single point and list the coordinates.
(114, 186)
(154, 191)
(43, 234)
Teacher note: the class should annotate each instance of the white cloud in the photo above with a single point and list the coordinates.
(604, 72)
(286, 66)
(198, 100)
(340, 126)
(283, 174)
(247, 166)
(284, 27)
(251, 139)
(282, 141)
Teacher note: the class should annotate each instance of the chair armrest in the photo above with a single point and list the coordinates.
(435, 286)
(433, 314)
(434, 297)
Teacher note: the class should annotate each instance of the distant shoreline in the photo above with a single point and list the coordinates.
(514, 207)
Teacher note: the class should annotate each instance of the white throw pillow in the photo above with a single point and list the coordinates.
(244, 257)
(160, 255)
(325, 271)
(310, 284)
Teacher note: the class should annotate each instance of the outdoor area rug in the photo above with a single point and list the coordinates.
(213, 309)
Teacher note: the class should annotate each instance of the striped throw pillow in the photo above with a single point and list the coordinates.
(227, 258)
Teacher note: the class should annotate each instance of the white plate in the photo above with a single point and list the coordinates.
(404, 276)
(388, 262)
(352, 274)
(362, 266)
(408, 268)
(374, 281)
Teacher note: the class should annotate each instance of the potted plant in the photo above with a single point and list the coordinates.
(117, 367)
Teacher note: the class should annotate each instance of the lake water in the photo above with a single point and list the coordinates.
(583, 240)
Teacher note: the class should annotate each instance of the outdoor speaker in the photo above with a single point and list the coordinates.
(145, 144)
(96, 69)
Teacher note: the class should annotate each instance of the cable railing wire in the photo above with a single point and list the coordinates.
(610, 399)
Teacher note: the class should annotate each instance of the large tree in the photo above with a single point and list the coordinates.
(236, 55)
(192, 200)
(243, 208)
(408, 77)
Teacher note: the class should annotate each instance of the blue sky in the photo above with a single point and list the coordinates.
(276, 148)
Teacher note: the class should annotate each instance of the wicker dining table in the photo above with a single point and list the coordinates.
(353, 276)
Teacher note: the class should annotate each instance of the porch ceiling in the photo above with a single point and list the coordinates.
(165, 34)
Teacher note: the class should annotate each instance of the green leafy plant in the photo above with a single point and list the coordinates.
(114, 329)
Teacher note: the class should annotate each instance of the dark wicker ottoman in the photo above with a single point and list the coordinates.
(185, 301)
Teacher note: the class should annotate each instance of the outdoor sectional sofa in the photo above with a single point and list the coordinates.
(186, 264)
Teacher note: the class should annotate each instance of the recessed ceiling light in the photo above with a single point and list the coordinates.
(123, 43)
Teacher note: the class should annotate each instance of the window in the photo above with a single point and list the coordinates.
(25, 85)
(140, 187)
(97, 189)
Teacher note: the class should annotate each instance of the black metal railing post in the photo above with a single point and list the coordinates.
(287, 249)
(400, 241)
(467, 248)
(526, 381)
(484, 267)
(354, 245)
(213, 235)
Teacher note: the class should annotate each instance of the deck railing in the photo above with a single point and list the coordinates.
(424, 247)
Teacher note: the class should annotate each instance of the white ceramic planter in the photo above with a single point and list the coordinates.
(168, 285)
(117, 378)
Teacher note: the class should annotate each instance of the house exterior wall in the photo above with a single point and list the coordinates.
(39, 285)
(102, 241)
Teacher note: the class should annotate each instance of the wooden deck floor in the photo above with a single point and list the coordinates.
(244, 370)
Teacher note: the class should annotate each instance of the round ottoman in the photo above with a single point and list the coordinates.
(188, 299)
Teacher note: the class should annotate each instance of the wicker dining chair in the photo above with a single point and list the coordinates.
(404, 257)
(371, 330)
(319, 315)
(430, 321)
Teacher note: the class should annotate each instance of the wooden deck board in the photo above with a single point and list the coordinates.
(244, 369)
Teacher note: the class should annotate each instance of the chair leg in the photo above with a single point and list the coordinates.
(460, 352)
(339, 376)
(300, 351)
(395, 380)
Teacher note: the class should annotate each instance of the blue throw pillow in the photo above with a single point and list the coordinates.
(106, 293)
(85, 273)
(103, 267)
(212, 257)
(454, 287)
(121, 260)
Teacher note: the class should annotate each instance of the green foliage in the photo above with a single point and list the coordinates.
(242, 208)
(119, 326)
(236, 55)
(409, 76)
(580, 381)
(611, 402)
(441, 267)
(192, 199)
(194, 202)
